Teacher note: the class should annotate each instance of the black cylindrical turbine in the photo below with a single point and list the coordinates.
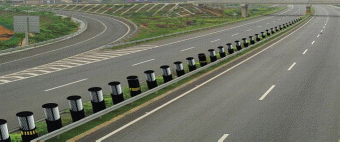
(116, 92)
(167, 76)
(27, 126)
(179, 68)
(212, 54)
(52, 116)
(76, 108)
(134, 85)
(221, 51)
(4, 135)
(97, 99)
(191, 63)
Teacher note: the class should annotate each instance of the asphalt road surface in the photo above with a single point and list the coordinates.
(101, 30)
(31, 93)
(286, 92)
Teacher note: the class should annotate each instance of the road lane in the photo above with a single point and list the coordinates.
(302, 106)
(30, 92)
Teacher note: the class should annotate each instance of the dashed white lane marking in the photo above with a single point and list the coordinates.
(318, 35)
(321, 31)
(196, 87)
(215, 40)
(71, 62)
(324, 27)
(143, 62)
(291, 66)
(266, 93)
(313, 42)
(234, 34)
(187, 49)
(66, 84)
(305, 51)
(248, 30)
(223, 138)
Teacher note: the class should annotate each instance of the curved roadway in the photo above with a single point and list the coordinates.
(31, 93)
(100, 31)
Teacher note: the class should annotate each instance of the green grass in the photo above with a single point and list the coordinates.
(41, 126)
(51, 26)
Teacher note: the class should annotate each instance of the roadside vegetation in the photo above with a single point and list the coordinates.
(51, 26)
(66, 118)
(155, 19)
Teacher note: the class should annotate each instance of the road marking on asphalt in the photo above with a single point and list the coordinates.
(234, 34)
(324, 27)
(143, 62)
(223, 138)
(321, 31)
(215, 40)
(70, 62)
(267, 23)
(318, 35)
(105, 28)
(291, 66)
(259, 26)
(196, 87)
(266, 93)
(187, 49)
(313, 42)
(66, 84)
(249, 30)
(305, 51)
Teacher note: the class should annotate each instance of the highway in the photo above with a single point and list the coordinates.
(285, 92)
(32, 92)
(101, 30)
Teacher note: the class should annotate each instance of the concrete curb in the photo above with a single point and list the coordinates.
(82, 28)
(74, 139)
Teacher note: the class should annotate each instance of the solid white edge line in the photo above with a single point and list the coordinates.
(313, 42)
(291, 66)
(187, 49)
(267, 92)
(66, 84)
(305, 51)
(143, 62)
(198, 86)
(223, 138)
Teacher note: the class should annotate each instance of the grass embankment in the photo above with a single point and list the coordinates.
(51, 26)
(66, 119)
(155, 25)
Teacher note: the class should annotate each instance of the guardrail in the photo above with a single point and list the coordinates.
(82, 28)
(135, 98)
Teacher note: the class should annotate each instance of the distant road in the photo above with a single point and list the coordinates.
(286, 92)
(101, 30)
(113, 65)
